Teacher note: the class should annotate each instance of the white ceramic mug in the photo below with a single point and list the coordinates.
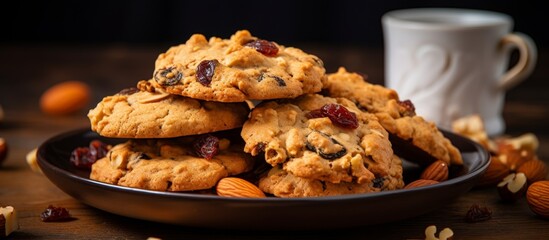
(453, 63)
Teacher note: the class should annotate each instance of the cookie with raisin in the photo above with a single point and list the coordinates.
(142, 114)
(413, 137)
(320, 138)
(281, 183)
(241, 68)
(180, 164)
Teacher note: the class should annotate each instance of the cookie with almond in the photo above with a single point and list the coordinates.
(180, 164)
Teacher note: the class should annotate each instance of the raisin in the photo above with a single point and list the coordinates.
(260, 147)
(205, 71)
(328, 156)
(314, 114)
(265, 47)
(84, 157)
(340, 116)
(128, 91)
(55, 214)
(378, 182)
(407, 108)
(206, 146)
(478, 214)
(98, 149)
(143, 156)
(279, 80)
(168, 76)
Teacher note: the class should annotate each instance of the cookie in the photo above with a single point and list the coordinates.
(141, 114)
(169, 164)
(236, 69)
(396, 116)
(280, 183)
(347, 146)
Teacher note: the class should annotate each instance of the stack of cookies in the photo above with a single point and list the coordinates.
(218, 107)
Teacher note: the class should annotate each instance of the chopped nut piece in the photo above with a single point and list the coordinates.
(445, 234)
(512, 187)
(473, 128)
(527, 141)
(31, 160)
(8, 221)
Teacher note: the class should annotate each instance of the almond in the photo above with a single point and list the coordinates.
(495, 172)
(65, 98)
(535, 170)
(237, 187)
(437, 171)
(538, 198)
(420, 183)
(153, 97)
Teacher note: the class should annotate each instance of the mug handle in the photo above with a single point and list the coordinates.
(526, 63)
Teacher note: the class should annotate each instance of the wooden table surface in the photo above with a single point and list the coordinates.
(27, 70)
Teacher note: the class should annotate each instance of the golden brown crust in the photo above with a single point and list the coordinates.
(168, 165)
(315, 148)
(241, 72)
(159, 115)
(394, 115)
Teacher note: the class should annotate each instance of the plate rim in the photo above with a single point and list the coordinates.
(43, 162)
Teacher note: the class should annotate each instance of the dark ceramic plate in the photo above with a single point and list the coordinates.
(212, 211)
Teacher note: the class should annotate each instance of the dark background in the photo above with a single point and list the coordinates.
(284, 21)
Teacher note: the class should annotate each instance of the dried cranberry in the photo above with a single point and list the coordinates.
(168, 76)
(340, 116)
(84, 157)
(55, 214)
(98, 149)
(206, 146)
(265, 47)
(407, 108)
(81, 157)
(205, 71)
(478, 214)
